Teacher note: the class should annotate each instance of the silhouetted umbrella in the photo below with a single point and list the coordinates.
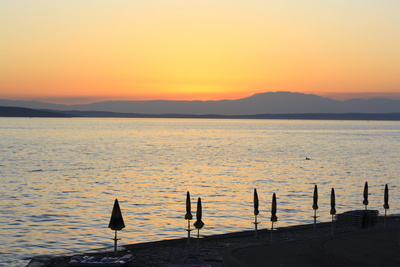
(199, 223)
(333, 203)
(199, 213)
(116, 222)
(315, 204)
(365, 201)
(273, 213)
(273, 209)
(386, 199)
(188, 215)
(333, 210)
(315, 198)
(256, 211)
(386, 202)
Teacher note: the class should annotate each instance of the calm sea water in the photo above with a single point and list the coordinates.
(60, 177)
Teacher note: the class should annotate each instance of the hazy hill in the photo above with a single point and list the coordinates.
(28, 112)
(271, 103)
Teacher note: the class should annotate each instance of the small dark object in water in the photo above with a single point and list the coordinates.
(307, 158)
(38, 170)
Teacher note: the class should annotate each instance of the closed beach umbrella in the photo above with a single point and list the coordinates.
(315, 198)
(333, 202)
(116, 222)
(256, 211)
(315, 205)
(333, 209)
(365, 201)
(273, 214)
(386, 202)
(199, 223)
(199, 213)
(273, 209)
(386, 199)
(188, 215)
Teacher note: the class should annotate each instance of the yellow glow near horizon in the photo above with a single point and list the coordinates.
(199, 50)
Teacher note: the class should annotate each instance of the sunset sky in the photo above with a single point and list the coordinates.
(82, 51)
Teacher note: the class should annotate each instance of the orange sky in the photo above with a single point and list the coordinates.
(86, 51)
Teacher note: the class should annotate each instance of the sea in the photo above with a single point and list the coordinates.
(61, 176)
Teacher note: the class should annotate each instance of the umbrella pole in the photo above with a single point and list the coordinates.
(198, 242)
(188, 230)
(384, 220)
(272, 229)
(333, 227)
(115, 243)
(315, 219)
(255, 225)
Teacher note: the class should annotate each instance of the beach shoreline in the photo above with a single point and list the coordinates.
(212, 249)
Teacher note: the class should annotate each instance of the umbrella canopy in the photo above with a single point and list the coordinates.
(386, 198)
(333, 202)
(315, 198)
(273, 209)
(365, 201)
(256, 211)
(199, 223)
(116, 221)
(188, 215)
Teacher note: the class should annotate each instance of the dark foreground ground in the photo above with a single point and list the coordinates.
(290, 246)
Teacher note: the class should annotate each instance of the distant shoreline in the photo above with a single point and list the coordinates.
(38, 113)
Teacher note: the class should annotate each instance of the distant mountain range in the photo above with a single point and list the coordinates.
(271, 103)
